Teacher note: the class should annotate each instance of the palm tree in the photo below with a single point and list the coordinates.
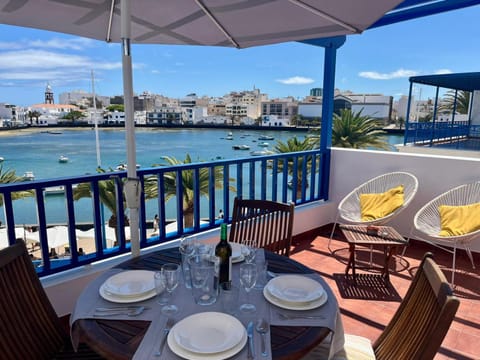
(151, 186)
(295, 145)
(463, 101)
(108, 198)
(33, 114)
(357, 131)
(8, 177)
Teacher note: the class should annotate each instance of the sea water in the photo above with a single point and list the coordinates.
(38, 151)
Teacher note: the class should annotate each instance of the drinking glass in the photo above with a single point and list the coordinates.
(248, 278)
(171, 273)
(187, 249)
(249, 250)
(159, 279)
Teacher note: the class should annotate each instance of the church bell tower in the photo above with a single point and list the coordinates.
(49, 95)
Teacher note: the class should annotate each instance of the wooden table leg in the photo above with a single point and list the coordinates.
(351, 262)
(388, 253)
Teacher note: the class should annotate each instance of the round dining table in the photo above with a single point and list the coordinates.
(119, 339)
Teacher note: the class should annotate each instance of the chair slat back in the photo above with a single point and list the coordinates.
(422, 320)
(29, 326)
(270, 223)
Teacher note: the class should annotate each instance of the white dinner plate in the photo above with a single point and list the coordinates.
(132, 283)
(296, 289)
(208, 333)
(294, 306)
(125, 299)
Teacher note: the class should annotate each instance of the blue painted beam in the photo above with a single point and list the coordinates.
(423, 9)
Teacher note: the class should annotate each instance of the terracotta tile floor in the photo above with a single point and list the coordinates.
(367, 308)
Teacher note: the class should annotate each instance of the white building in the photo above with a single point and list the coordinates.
(80, 97)
(115, 118)
(274, 121)
(373, 105)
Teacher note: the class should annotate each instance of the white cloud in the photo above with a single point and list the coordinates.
(26, 66)
(443, 71)
(41, 59)
(398, 74)
(57, 43)
(54, 43)
(296, 80)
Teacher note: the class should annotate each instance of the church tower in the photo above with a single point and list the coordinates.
(49, 95)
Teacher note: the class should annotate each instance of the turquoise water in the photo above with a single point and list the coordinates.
(39, 151)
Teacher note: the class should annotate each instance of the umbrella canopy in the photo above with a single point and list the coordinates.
(20, 233)
(110, 236)
(57, 236)
(235, 23)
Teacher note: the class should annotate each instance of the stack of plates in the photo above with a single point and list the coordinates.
(207, 335)
(129, 286)
(236, 252)
(295, 292)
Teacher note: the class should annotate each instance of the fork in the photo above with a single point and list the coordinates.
(166, 330)
(299, 316)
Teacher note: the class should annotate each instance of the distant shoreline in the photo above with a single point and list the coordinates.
(35, 129)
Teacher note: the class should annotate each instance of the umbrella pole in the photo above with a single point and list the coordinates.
(131, 192)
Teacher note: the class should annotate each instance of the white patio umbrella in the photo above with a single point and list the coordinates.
(110, 236)
(20, 233)
(232, 23)
(57, 236)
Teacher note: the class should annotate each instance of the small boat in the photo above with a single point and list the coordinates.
(123, 167)
(229, 137)
(28, 175)
(63, 159)
(261, 153)
(2, 159)
(54, 190)
(263, 144)
(241, 147)
(266, 137)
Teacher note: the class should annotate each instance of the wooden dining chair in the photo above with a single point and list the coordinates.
(269, 223)
(29, 325)
(419, 325)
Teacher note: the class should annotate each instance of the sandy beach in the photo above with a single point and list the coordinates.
(35, 130)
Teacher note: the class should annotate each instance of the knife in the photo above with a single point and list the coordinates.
(251, 347)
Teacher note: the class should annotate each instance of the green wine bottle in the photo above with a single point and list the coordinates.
(223, 251)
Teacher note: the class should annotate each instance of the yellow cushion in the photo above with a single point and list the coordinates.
(459, 220)
(376, 206)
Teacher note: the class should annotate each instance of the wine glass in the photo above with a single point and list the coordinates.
(171, 272)
(159, 279)
(249, 251)
(248, 278)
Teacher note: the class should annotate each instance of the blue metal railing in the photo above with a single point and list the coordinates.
(428, 133)
(281, 177)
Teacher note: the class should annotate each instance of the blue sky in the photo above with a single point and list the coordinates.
(377, 61)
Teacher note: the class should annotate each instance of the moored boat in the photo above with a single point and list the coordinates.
(28, 175)
(241, 147)
(266, 137)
